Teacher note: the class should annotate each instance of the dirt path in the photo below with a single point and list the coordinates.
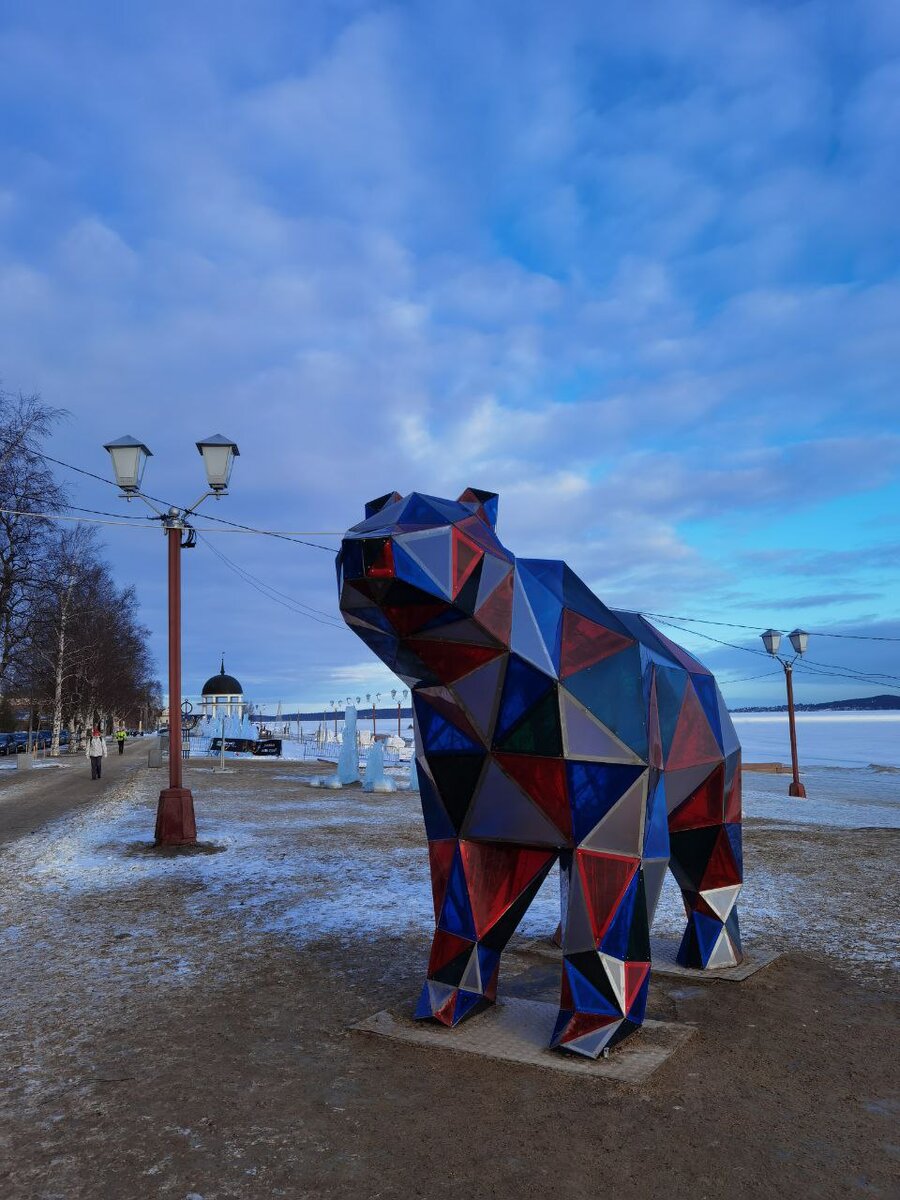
(178, 1028)
(28, 799)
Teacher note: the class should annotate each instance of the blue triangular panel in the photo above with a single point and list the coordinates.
(639, 1003)
(707, 694)
(593, 789)
(417, 510)
(407, 569)
(587, 998)
(656, 838)
(437, 824)
(466, 1001)
(439, 736)
(734, 838)
(526, 638)
(523, 687)
(613, 691)
(431, 550)
(579, 597)
(456, 914)
(547, 611)
(670, 685)
(708, 930)
(615, 940)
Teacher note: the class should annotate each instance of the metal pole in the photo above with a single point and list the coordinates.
(398, 719)
(373, 720)
(796, 788)
(175, 824)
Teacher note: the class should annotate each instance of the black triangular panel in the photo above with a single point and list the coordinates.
(538, 732)
(455, 777)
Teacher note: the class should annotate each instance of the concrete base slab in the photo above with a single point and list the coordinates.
(519, 1031)
(665, 951)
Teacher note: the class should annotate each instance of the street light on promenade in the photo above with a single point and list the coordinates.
(175, 824)
(799, 639)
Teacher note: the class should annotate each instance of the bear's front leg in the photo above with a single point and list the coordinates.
(606, 951)
(481, 891)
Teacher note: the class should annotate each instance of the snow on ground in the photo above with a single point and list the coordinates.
(823, 739)
(350, 867)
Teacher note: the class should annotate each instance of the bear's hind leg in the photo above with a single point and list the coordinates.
(481, 892)
(707, 862)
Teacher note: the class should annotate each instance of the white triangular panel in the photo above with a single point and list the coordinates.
(621, 831)
(471, 979)
(615, 972)
(584, 737)
(723, 953)
(591, 1044)
(721, 900)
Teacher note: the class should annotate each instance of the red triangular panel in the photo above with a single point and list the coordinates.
(544, 781)
(496, 877)
(585, 642)
(703, 806)
(444, 948)
(466, 556)
(440, 856)
(694, 741)
(721, 870)
(496, 612)
(450, 660)
(733, 802)
(635, 974)
(383, 566)
(606, 878)
(408, 618)
(444, 1014)
(583, 1023)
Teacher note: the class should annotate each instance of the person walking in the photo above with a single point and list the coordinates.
(120, 738)
(96, 751)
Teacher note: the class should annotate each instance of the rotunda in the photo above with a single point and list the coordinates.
(222, 696)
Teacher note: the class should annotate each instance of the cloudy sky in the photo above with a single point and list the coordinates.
(634, 266)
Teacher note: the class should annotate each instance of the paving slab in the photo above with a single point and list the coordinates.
(519, 1031)
(665, 952)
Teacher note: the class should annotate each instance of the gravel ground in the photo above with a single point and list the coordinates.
(177, 1026)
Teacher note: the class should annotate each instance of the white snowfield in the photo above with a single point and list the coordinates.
(823, 739)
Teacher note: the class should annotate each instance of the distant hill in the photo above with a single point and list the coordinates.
(859, 704)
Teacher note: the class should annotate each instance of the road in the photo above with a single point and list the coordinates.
(29, 799)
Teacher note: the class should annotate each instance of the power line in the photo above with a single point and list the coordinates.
(870, 677)
(48, 516)
(296, 606)
(862, 637)
(288, 537)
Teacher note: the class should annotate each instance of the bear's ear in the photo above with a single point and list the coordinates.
(484, 504)
(375, 506)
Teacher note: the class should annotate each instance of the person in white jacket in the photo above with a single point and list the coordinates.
(96, 751)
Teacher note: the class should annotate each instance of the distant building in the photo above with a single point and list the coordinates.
(223, 696)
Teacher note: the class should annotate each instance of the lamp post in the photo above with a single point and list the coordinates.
(799, 639)
(175, 824)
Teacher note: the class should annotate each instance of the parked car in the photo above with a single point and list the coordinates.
(7, 743)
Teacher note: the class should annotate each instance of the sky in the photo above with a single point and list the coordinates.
(634, 267)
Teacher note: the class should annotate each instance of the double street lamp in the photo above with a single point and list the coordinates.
(799, 640)
(175, 824)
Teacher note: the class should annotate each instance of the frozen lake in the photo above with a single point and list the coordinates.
(823, 739)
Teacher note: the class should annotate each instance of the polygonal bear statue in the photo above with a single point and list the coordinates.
(548, 727)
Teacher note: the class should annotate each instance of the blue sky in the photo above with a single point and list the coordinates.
(634, 267)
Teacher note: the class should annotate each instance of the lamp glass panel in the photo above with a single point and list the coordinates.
(799, 640)
(128, 465)
(771, 640)
(217, 460)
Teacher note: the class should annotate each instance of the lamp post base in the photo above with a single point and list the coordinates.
(175, 824)
(797, 789)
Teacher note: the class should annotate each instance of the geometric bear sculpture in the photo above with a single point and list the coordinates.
(548, 728)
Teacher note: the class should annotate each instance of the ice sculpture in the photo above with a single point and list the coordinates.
(348, 760)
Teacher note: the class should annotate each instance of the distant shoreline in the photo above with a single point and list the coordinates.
(863, 704)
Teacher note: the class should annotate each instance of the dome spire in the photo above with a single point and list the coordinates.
(222, 668)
